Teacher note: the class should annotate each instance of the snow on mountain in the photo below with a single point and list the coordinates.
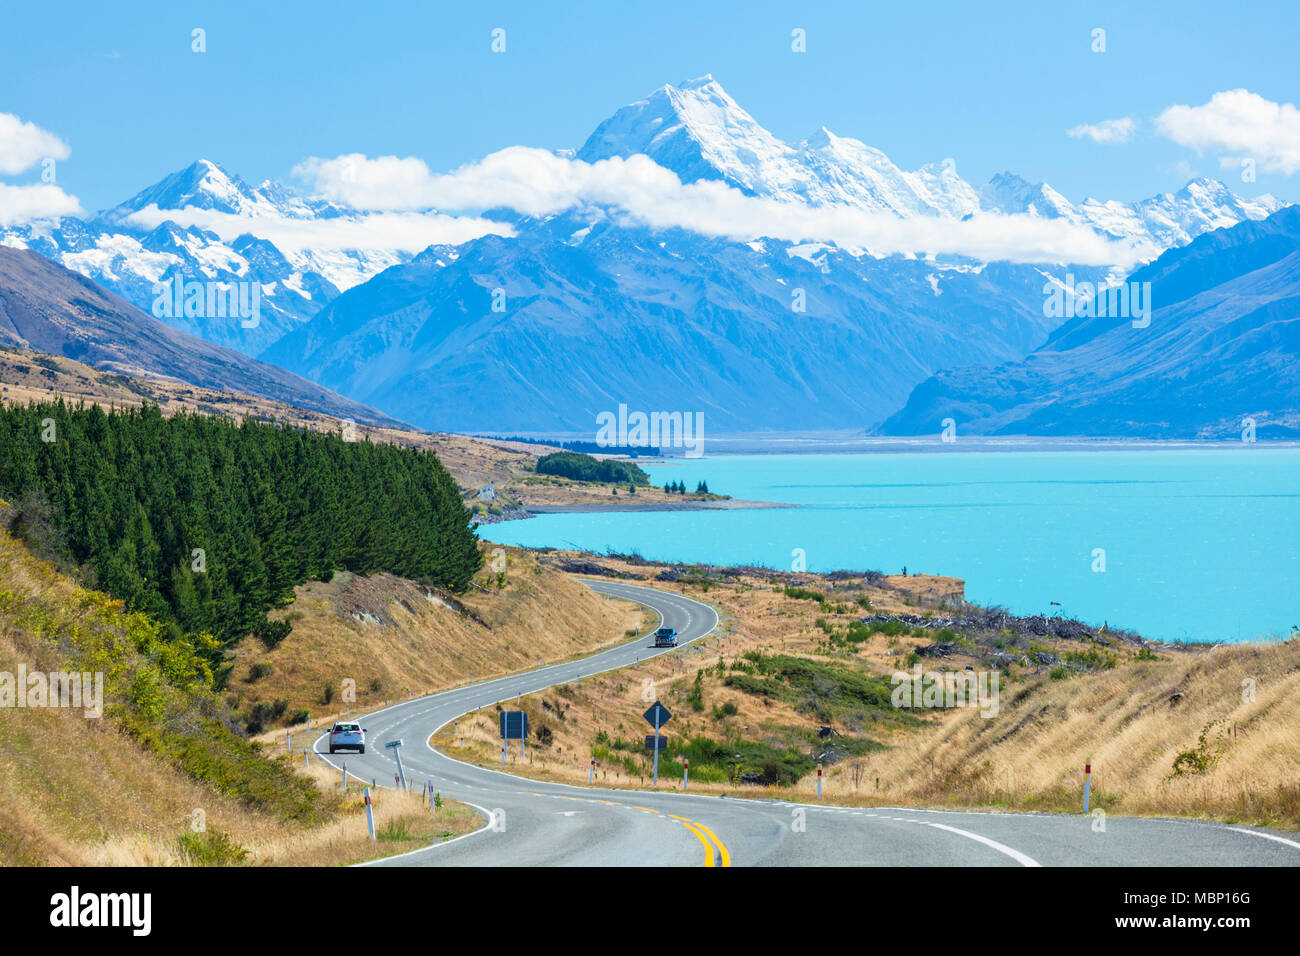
(698, 131)
(1218, 349)
(695, 129)
(139, 243)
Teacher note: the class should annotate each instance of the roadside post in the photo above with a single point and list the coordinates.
(819, 779)
(288, 740)
(370, 816)
(591, 772)
(657, 715)
(686, 773)
(514, 726)
(395, 747)
(345, 776)
(1087, 783)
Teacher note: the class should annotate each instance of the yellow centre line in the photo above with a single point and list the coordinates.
(708, 847)
(700, 830)
(722, 847)
(702, 833)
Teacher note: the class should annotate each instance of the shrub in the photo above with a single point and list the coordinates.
(210, 848)
(696, 696)
(1202, 757)
(259, 670)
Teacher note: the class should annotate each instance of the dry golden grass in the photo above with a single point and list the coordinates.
(403, 822)
(78, 791)
(391, 637)
(1030, 756)
(753, 616)
(1133, 724)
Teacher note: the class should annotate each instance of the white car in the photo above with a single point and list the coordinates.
(347, 737)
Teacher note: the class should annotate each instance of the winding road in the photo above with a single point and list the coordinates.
(531, 823)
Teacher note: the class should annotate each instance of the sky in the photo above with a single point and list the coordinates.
(119, 86)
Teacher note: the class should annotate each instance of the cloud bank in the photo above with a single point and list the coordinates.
(22, 146)
(1238, 125)
(1107, 131)
(405, 231)
(536, 182)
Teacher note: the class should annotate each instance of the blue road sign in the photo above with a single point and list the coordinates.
(657, 715)
(514, 725)
(651, 740)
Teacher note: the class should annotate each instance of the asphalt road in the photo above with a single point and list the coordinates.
(544, 824)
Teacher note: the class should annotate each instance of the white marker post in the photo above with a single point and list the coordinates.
(1087, 783)
(819, 780)
(345, 776)
(288, 740)
(370, 816)
(591, 772)
(395, 747)
(503, 754)
(686, 772)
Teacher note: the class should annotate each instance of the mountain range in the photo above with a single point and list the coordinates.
(53, 310)
(126, 252)
(582, 311)
(1218, 359)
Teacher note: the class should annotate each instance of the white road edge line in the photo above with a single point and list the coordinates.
(488, 813)
(433, 846)
(1266, 836)
(1000, 847)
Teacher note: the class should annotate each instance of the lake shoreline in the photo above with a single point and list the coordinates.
(729, 504)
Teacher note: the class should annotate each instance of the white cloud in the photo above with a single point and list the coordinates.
(406, 231)
(23, 145)
(536, 182)
(1107, 131)
(1238, 124)
(20, 204)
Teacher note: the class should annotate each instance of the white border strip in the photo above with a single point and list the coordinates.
(433, 846)
(1265, 836)
(1000, 847)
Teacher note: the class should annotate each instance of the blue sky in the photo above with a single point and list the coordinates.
(283, 81)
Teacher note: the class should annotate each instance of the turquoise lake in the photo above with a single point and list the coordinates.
(1200, 544)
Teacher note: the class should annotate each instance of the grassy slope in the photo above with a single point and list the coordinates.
(75, 790)
(1030, 756)
(389, 636)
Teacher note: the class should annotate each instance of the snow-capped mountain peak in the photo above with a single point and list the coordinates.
(699, 132)
(203, 185)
